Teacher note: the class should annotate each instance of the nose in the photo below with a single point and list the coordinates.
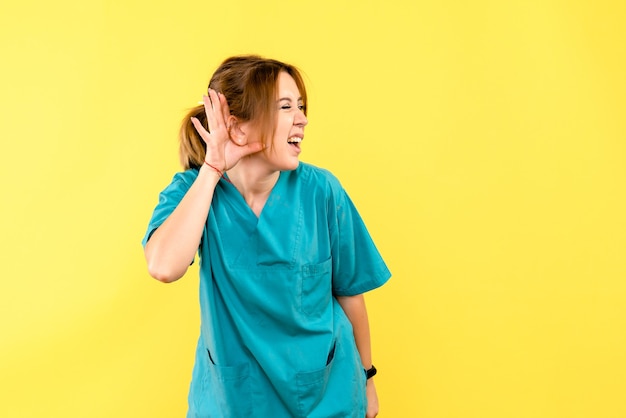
(300, 119)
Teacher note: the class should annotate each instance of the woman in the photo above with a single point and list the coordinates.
(284, 256)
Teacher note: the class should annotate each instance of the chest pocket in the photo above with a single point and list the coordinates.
(315, 290)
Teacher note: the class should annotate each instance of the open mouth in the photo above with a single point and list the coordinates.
(294, 141)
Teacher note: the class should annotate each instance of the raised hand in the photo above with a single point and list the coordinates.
(222, 152)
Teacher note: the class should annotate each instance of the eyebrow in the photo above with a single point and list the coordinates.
(289, 99)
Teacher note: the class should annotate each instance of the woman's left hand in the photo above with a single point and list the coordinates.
(372, 399)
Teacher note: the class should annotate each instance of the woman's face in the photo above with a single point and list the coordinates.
(290, 122)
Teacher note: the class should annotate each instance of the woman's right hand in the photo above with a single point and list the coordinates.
(222, 152)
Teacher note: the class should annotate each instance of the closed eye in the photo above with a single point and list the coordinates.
(286, 103)
(288, 107)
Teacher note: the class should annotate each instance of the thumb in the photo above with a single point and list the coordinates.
(251, 148)
(236, 153)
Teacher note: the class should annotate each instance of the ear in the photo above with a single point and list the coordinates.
(237, 131)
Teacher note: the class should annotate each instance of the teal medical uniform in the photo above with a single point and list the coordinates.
(274, 342)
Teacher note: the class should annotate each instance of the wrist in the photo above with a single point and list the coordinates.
(371, 372)
(213, 168)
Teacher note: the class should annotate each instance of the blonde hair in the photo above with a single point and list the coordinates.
(249, 83)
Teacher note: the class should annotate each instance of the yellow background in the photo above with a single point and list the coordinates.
(484, 143)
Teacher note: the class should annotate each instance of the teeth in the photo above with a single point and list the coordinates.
(294, 139)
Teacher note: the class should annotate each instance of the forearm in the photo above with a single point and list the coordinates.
(355, 309)
(172, 247)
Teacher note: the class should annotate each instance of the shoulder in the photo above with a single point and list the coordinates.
(318, 178)
(178, 187)
(184, 179)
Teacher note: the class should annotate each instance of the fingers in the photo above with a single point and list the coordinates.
(216, 110)
(211, 102)
(204, 134)
(225, 108)
(217, 139)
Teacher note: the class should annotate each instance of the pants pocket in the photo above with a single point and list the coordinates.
(226, 392)
(311, 386)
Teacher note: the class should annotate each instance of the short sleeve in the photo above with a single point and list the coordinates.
(169, 200)
(358, 267)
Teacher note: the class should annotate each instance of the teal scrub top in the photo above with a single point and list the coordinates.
(274, 342)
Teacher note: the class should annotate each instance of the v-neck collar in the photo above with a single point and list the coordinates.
(232, 192)
(269, 241)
